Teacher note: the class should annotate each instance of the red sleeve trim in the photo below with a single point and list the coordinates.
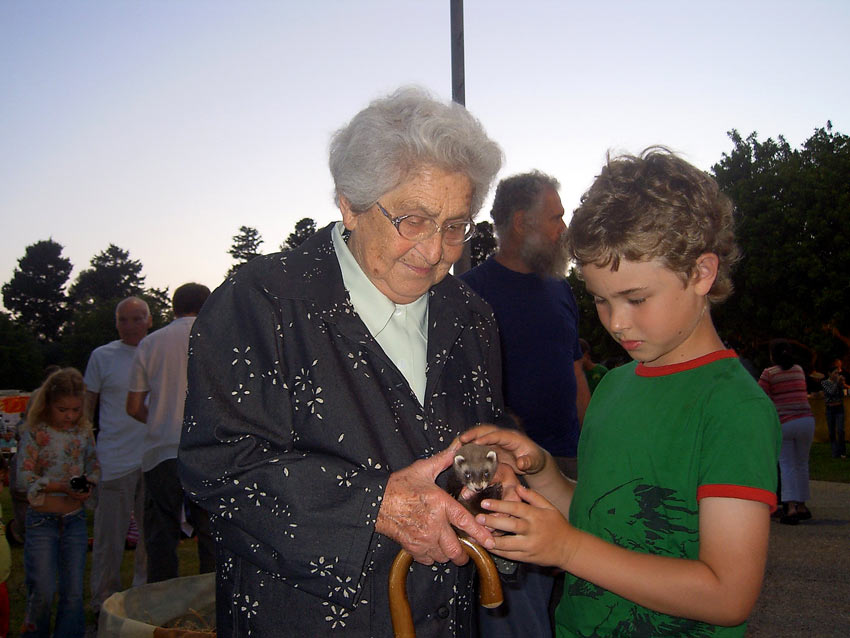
(738, 491)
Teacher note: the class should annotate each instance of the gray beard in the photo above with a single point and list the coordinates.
(544, 259)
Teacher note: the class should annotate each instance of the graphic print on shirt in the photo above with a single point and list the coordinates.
(658, 513)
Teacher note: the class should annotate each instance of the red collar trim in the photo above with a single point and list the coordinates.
(659, 371)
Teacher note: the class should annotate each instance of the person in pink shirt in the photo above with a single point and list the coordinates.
(785, 383)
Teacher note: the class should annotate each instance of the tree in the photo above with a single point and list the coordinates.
(304, 229)
(483, 244)
(21, 359)
(35, 295)
(90, 326)
(793, 226)
(245, 247)
(112, 277)
(589, 327)
(159, 303)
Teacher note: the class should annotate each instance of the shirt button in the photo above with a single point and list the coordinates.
(443, 612)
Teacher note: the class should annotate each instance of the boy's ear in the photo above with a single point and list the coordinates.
(705, 272)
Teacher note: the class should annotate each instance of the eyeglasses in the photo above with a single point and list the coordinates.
(418, 228)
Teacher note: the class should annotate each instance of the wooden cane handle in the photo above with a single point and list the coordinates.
(490, 587)
(400, 613)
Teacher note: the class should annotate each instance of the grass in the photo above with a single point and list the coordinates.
(187, 552)
(822, 467)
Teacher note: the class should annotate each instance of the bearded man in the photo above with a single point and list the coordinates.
(544, 384)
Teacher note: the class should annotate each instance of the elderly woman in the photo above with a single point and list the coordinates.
(326, 383)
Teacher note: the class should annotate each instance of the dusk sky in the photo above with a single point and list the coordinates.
(163, 126)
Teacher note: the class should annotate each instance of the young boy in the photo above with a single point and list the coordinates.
(668, 523)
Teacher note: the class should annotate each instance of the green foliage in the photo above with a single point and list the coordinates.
(602, 345)
(21, 359)
(246, 246)
(159, 303)
(304, 229)
(483, 244)
(90, 327)
(823, 467)
(35, 295)
(112, 276)
(793, 226)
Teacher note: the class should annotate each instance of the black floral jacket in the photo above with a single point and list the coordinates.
(295, 419)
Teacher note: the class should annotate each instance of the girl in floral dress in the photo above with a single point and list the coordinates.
(57, 445)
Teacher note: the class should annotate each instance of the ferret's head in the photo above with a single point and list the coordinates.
(475, 465)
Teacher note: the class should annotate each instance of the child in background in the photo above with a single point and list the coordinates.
(57, 467)
(666, 531)
(5, 556)
(834, 388)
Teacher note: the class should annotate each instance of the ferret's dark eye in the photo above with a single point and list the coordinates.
(467, 475)
(486, 474)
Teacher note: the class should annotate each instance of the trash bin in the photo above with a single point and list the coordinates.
(176, 608)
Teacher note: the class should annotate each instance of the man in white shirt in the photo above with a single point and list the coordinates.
(158, 376)
(119, 450)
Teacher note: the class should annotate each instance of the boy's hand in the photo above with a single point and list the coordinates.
(514, 448)
(539, 534)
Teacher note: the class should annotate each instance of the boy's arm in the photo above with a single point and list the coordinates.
(720, 587)
(551, 483)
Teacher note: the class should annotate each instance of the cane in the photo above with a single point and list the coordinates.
(490, 594)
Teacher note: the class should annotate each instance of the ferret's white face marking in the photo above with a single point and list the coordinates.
(475, 467)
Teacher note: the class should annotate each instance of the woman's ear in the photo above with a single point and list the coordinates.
(349, 217)
(705, 272)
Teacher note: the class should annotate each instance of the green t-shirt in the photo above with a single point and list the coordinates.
(654, 442)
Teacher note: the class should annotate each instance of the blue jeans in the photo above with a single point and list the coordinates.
(835, 424)
(794, 458)
(55, 550)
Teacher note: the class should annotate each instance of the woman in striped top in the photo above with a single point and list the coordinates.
(785, 384)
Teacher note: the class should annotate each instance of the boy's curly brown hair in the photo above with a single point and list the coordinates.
(655, 206)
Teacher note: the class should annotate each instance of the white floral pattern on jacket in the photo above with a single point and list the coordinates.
(295, 417)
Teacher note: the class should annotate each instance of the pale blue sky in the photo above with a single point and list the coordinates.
(162, 126)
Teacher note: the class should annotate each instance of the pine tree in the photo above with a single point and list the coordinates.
(304, 229)
(111, 277)
(246, 246)
(35, 295)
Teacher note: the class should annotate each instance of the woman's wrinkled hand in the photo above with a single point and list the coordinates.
(419, 515)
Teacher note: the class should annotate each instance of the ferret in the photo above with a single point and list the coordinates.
(474, 467)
